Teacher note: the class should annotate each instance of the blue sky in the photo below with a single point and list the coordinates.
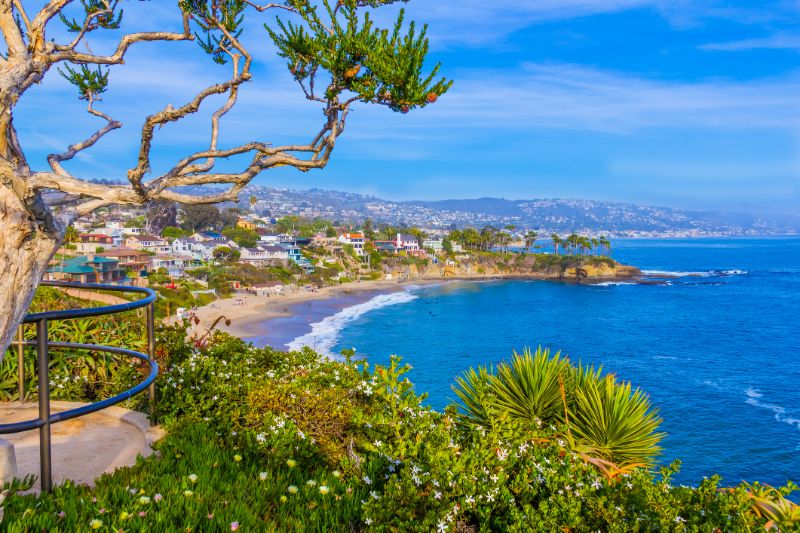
(692, 104)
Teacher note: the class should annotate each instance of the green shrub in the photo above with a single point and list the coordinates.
(294, 441)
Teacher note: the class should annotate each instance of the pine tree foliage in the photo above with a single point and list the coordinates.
(374, 65)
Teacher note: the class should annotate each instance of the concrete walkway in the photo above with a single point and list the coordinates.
(82, 448)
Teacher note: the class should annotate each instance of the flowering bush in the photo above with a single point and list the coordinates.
(265, 440)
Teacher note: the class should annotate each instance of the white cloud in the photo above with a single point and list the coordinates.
(778, 41)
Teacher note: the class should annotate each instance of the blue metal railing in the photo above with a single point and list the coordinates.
(43, 345)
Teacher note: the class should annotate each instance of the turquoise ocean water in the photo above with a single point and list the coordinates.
(717, 346)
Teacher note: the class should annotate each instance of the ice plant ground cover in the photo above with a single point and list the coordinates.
(262, 440)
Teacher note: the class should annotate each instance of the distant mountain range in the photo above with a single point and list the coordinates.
(544, 215)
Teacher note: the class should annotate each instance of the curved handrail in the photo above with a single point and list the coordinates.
(36, 423)
(92, 311)
(43, 346)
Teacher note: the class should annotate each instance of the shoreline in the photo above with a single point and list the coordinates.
(249, 314)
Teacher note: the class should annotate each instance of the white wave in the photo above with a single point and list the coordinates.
(611, 283)
(778, 411)
(698, 274)
(752, 393)
(325, 333)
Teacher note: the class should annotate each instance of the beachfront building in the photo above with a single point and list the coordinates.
(135, 262)
(356, 240)
(387, 247)
(437, 245)
(264, 254)
(148, 243)
(406, 242)
(88, 243)
(174, 265)
(88, 268)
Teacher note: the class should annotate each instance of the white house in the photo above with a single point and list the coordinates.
(356, 240)
(406, 242)
(201, 251)
(175, 266)
(264, 254)
(149, 243)
(435, 244)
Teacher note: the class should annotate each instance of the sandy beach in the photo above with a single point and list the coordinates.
(248, 312)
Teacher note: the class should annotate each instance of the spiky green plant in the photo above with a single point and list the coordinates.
(474, 391)
(528, 387)
(614, 421)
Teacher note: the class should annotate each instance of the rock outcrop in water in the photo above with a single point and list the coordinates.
(523, 266)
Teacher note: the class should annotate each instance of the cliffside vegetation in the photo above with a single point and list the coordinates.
(265, 440)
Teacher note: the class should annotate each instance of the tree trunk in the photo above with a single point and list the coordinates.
(26, 245)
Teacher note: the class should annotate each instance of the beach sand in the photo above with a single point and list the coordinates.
(249, 313)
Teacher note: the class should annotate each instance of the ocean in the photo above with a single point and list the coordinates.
(716, 346)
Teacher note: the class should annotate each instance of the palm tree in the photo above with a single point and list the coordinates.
(530, 240)
(70, 235)
(556, 242)
(573, 241)
(606, 244)
(594, 246)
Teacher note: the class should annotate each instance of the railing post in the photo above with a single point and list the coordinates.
(151, 353)
(44, 405)
(21, 363)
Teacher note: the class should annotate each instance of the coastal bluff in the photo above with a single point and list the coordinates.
(530, 266)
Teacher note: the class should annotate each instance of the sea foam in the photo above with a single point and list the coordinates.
(699, 274)
(325, 333)
(780, 413)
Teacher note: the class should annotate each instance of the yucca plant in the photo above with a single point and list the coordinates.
(528, 388)
(615, 422)
(473, 389)
(610, 425)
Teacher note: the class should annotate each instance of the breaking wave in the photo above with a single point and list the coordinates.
(325, 333)
(699, 274)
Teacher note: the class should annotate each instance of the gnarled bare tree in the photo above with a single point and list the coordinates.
(332, 48)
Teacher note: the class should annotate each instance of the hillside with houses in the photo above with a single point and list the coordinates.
(200, 253)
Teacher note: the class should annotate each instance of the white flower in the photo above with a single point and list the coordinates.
(374, 495)
(377, 444)
(368, 521)
(629, 485)
(193, 478)
(437, 495)
(597, 485)
(262, 476)
(367, 480)
(441, 527)
(261, 438)
(323, 489)
(469, 500)
(679, 520)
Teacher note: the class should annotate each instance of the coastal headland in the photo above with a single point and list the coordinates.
(248, 313)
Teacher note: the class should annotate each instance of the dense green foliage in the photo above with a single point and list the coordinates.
(264, 440)
(595, 416)
(78, 374)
